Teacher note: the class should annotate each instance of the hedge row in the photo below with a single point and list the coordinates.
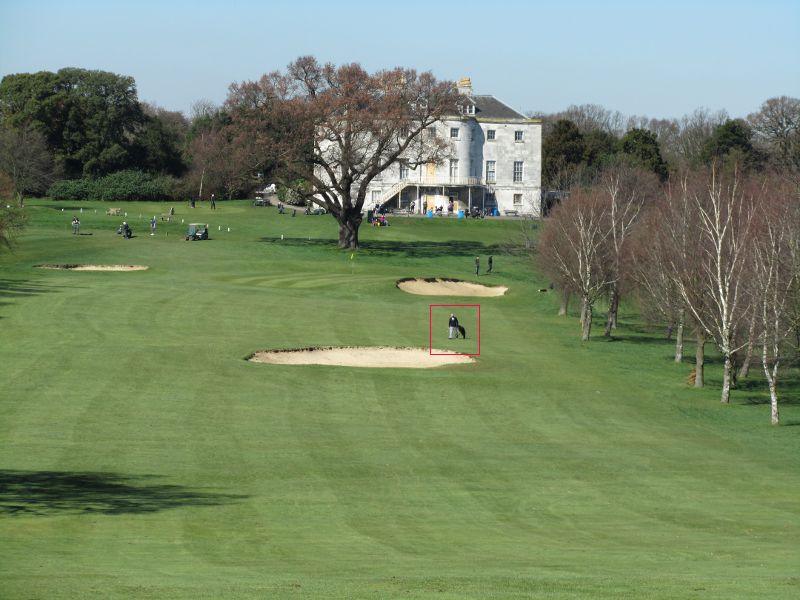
(122, 185)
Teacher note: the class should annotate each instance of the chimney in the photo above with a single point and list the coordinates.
(465, 86)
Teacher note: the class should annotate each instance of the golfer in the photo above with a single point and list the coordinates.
(453, 325)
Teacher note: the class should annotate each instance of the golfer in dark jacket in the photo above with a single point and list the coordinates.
(453, 324)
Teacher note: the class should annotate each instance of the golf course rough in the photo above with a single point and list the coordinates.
(449, 287)
(376, 357)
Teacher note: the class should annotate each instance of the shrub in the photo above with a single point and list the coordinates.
(119, 186)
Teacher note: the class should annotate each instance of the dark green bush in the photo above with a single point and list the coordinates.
(122, 185)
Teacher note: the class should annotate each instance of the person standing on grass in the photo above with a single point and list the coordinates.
(76, 225)
(213, 202)
(489, 270)
(453, 325)
(153, 225)
(477, 265)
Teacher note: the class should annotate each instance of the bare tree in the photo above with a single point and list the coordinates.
(338, 128)
(589, 117)
(655, 284)
(695, 130)
(625, 190)
(776, 251)
(25, 160)
(675, 248)
(574, 245)
(723, 206)
(777, 130)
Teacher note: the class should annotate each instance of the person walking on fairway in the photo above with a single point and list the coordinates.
(213, 202)
(477, 265)
(489, 270)
(153, 225)
(453, 325)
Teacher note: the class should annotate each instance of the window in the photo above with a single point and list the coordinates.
(454, 132)
(403, 171)
(491, 171)
(468, 109)
(490, 134)
(518, 135)
(404, 132)
(376, 196)
(431, 132)
(517, 171)
(517, 199)
(453, 168)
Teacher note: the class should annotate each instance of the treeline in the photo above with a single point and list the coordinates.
(81, 133)
(83, 125)
(713, 250)
(581, 141)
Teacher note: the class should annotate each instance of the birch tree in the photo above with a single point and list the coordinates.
(723, 205)
(776, 260)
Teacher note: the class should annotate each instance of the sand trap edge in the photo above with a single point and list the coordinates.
(98, 268)
(382, 357)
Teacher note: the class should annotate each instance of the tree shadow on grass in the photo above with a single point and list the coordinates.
(417, 249)
(15, 289)
(70, 492)
(788, 387)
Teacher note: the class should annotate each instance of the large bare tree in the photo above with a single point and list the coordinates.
(338, 128)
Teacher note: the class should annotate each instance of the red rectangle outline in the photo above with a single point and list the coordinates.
(430, 332)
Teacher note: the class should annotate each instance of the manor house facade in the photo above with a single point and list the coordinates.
(496, 163)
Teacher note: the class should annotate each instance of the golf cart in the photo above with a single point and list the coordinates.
(197, 231)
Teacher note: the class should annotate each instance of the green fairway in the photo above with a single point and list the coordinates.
(141, 455)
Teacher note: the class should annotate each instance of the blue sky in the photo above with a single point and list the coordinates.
(660, 59)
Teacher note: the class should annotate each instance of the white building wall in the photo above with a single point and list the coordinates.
(473, 149)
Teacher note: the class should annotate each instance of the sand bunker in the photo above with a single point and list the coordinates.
(96, 267)
(449, 287)
(377, 357)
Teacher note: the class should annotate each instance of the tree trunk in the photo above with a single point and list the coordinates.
(587, 321)
(348, 229)
(562, 310)
(699, 359)
(748, 356)
(726, 379)
(613, 307)
(772, 377)
(679, 340)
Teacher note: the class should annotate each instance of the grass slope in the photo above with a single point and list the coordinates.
(142, 457)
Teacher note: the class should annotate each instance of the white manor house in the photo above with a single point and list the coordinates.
(496, 163)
